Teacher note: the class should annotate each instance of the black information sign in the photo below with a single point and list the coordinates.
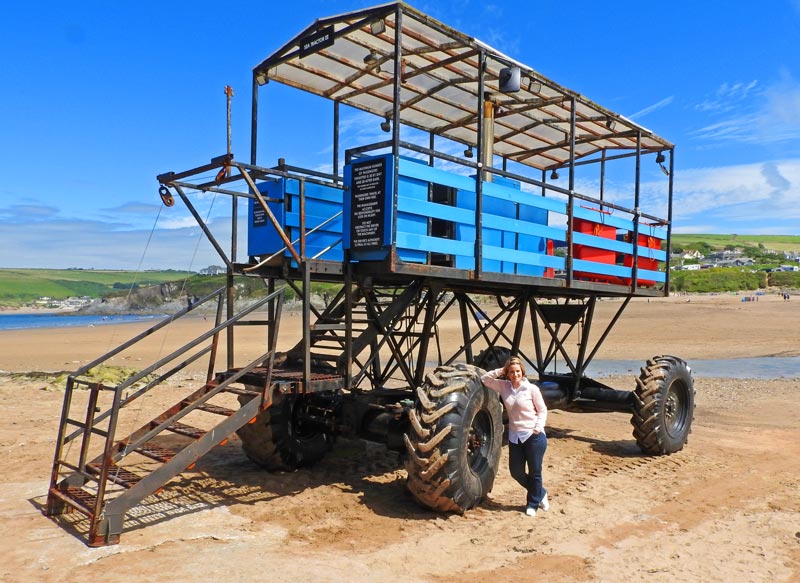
(259, 215)
(314, 42)
(368, 208)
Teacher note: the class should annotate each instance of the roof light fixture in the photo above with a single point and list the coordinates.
(660, 159)
(554, 174)
(378, 27)
(611, 123)
(468, 153)
(372, 61)
(386, 125)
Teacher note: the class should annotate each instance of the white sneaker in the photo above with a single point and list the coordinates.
(530, 511)
(545, 504)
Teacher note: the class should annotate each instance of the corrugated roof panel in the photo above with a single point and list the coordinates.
(439, 90)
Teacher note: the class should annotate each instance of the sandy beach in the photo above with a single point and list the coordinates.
(725, 508)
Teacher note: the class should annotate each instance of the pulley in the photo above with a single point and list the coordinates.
(166, 197)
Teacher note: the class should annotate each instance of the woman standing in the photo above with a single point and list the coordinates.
(527, 441)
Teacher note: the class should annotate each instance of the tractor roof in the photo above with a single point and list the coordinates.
(350, 58)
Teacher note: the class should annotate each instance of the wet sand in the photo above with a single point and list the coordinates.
(725, 508)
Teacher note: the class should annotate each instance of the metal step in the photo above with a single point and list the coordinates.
(187, 430)
(116, 474)
(155, 452)
(215, 409)
(245, 392)
(77, 498)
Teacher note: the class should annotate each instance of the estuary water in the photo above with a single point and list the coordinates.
(28, 321)
(766, 367)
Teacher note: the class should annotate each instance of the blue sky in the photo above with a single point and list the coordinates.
(100, 97)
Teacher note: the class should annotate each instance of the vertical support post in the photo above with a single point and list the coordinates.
(519, 327)
(230, 295)
(669, 221)
(537, 336)
(398, 65)
(336, 139)
(587, 328)
(427, 332)
(254, 122)
(272, 312)
(107, 456)
(602, 178)
(234, 238)
(306, 323)
(348, 320)
(306, 271)
(571, 202)
(462, 308)
(212, 358)
(636, 214)
(88, 425)
(54, 505)
(479, 173)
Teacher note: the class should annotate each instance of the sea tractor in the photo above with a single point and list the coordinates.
(473, 200)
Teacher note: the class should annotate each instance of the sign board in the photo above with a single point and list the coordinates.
(259, 215)
(368, 204)
(314, 42)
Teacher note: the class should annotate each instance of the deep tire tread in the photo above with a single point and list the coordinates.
(664, 389)
(440, 476)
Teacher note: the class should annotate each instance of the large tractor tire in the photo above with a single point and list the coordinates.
(493, 357)
(454, 440)
(664, 406)
(277, 440)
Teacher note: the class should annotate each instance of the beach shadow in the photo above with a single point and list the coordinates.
(621, 448)
(226, 477)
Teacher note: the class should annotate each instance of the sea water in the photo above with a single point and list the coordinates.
(28, 321)
(763, 367)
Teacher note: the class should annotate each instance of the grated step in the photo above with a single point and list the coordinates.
(216, 409)
(77, 498)
(245, 392)
(186, 430)
(116, 474)
(151, 450)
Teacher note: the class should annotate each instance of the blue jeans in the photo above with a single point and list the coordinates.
(530, 452)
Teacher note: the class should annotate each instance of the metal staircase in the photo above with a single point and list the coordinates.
(381, 322)
(102, 475)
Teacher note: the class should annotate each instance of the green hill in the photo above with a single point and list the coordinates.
(22, 286)
(774, 242)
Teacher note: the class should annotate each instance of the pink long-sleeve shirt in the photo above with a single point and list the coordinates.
(527, 412)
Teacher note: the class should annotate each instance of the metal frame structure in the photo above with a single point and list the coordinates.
(412, 71)
(365, 353)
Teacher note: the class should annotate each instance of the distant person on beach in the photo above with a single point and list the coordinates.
(527, 441)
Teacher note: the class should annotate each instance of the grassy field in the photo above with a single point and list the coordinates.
(21, 286)
(775, 242)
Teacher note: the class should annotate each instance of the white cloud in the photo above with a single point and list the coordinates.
(757, 198)
(753, 114)
(727, 95)
(651, 108)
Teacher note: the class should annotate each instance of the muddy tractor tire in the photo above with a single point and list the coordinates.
(454, 440)
(277, 440)
(493, 357)
(664, 406)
